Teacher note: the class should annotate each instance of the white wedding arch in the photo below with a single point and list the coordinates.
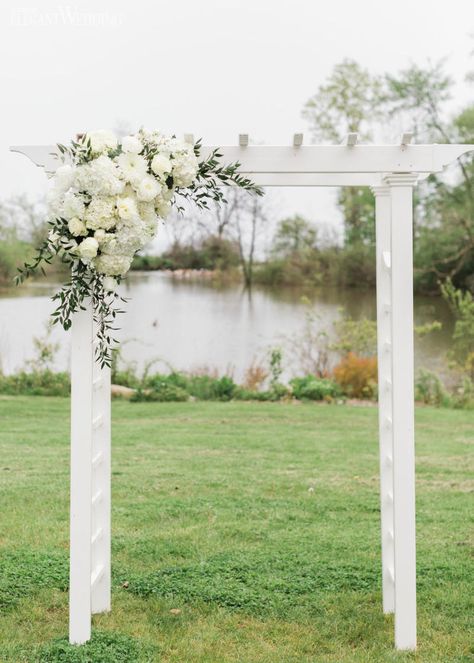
(391, 171)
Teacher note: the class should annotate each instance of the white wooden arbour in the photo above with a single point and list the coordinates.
(391, 171)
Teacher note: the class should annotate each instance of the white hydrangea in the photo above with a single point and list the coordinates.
(101, 141)
(99, 177)
(149, 219)
(113, 205)
(72, 205)
(185, 168)
(113, 265)
(132, 144)
(100, 213)
(129, 238)
(63, 179)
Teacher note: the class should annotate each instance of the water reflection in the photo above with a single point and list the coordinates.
(190, 324)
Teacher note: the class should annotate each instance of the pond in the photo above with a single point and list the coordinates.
(192, 324)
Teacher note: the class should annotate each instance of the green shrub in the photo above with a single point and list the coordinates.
(162, 393)
(242, 394)
(36, 383)
(315, 389)
(430, 390)
(463, 395)
(223, 389)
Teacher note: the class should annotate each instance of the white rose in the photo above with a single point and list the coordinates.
(77, 227)
(127, 208)
(109, 283)
(161, 165)
(132, 144)
(148, 189)
(88, 248)
(100, 235)
(101, 140)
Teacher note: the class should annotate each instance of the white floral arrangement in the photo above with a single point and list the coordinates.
(105, 204)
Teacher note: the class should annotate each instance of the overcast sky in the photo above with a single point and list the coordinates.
(214, 68)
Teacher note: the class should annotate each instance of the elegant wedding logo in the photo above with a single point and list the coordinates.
(25, 17)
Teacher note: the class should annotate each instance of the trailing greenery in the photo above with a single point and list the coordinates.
(241, 532)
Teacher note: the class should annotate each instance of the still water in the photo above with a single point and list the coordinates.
(189, 325)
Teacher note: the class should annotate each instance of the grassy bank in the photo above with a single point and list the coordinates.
(257, 524)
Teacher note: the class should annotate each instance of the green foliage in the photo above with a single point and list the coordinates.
(210, 253)
(103, 647)
(357, 207)
(463, 394)
(356, 266)
(349, 101)
(420, 93)
(276, 368)
(25, 572)
(294, 236)
(162, 392)
(315, 389)
(462, 305)
(254, 583)
(179, 386)
(430, 390)
(280, 392)
(36, 383)
(12, 252)
(357, 336)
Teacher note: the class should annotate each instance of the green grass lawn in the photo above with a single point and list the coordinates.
(258, 522)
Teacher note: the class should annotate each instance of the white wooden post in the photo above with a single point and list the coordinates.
(401, 259)
(384, 353)
(82, 364)
(101, 475)
(90, 481)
